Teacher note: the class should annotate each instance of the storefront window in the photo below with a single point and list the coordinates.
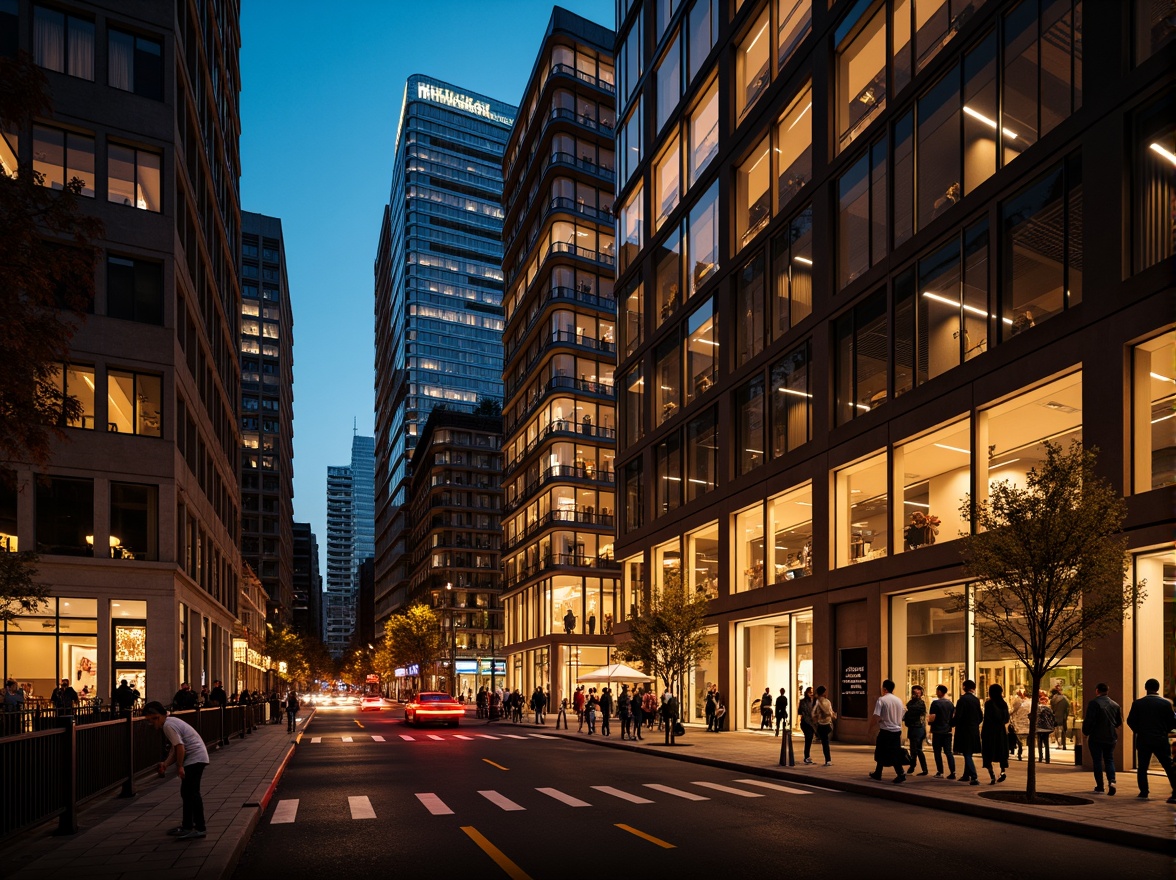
(669, 276)
(702, 454)
(1154, 413)
(935, 472)
(775, 652)
(753, 196)
(702, 676)
(1155, 621)
(749, 549)
(790, 523)
(929, 641)
(702, 553)
(862, 510)
(59, 640)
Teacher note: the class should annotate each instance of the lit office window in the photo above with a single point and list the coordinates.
(77, 382)
(633, 318)
(791, 401)
(633, 386)
(981, 135)
(667, 175)
(1154, 413)
(667, 393)
(1154, 184)
(862, 511)
(790, 528)
(753, 192)
(861, 219)
(633, 491)
(794, 147)
(669, 276)
(702, 454)
(667, 460)
(794, 22)
(60, 156)
(936, 471)
(133, 177)
(704, 131)
(749, 548)
(701, 350)
(861, 347)
(861, 74)
(702, 554)
(938, 183)
(752, 66)
(632, 226)
(134, 403)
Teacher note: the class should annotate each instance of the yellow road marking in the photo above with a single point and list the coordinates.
(512, 870)
(357, 724)
(492, 764)
(648, 837)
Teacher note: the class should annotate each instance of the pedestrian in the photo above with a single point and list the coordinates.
(216, 696)
(538, 704)
(292, 706)
(204, 695)
(670, 714)
(1101, 726)
(709, 709)
(823, 717)
(184, 699)
(887, 720)
(591, 704)
(625, 711)
(638, 714)
(578, 704)
(807, 726)
(1060, 704)
(649, 707)
(782, 712)
(546, 703)
(1019, 715)
(994, 734)
(275, 707)
(766, 709)
(661, 715)
(966, 723)
(14, 698)
(123, 699)
(606, 708)
(191, 758)
(720, 712)
(64, 698)
(915, 720)
(940, 719)
(1045, 726)
(1150, 718)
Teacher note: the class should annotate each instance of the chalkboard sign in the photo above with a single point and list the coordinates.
(854, 683)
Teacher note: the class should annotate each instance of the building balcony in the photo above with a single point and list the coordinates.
(598, 259)
(583, 516)
(557, 338)
(563, 427)
(561, 561)
(555, 384)
(555, 474)
(603, 173)
(603, 216)
(562, 296)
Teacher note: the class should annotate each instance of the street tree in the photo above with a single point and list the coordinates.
(412, 638)
(20, 593)
(1049, 563)
(668, 634)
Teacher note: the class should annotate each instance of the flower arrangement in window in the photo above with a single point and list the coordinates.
(922, 529)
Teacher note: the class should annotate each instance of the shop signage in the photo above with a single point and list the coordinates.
(458, 101)
(467, 667)
(854, 683)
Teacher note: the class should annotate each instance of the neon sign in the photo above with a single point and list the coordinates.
(458, 101)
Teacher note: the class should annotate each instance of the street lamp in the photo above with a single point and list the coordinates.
(452, 643)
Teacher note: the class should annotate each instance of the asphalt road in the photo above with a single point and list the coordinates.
(450, 802)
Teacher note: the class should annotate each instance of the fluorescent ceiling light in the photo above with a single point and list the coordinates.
(804, 260)
(989, 122)
(993, 467)
(1162, 418)
(951, 302)
(792, 392)
(1153, 375)
(1166, 153)
(916, 504)
(952, 448)
(807, 108)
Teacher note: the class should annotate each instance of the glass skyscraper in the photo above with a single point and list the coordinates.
(438, 290)
(350, 530)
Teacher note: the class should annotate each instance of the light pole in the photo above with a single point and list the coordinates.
(452, 643)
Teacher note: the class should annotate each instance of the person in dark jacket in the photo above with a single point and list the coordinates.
(766, 709)
(185, 698)
(217, 696)
(994, 734)
(625, 711)
(710, 709)
(968, 716)
(807, 726)
(915, 721)
(940, 717)
(781, 710)
(1151, 717)
(123, 698)
(1101, 726)
(606, 709)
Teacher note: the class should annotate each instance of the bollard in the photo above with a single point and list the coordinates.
(128, 787)
(787, 756)
(1077, 754)
(68, 823)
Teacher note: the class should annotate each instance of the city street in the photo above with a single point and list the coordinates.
(365, 795)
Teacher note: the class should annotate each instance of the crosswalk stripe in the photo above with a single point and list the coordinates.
(434, 804)
(361, 807)
(623, 795)
(316, 739)
(774, 786)
(513, 736)
(728, 789)
(462, 736)
(676, 792)
(348, 739)
(543, 736)
(378, 739)
(501, 801)
(285, 812)
(563, 798)
(407, 738)
(490, 736)
(434, 736)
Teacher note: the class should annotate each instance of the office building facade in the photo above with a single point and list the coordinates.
(136, 516)
(559, 413)
(267, 413)
(873, 255)
(307, 617)
(438, 292)
(350, 525)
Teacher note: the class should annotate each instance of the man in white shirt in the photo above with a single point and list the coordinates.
(887, 719)
(190, 757)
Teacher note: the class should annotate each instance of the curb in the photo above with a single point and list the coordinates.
(1091, 831)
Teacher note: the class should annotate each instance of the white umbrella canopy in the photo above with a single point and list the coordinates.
(616, 672)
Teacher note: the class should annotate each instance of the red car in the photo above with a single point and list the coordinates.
(433, 707)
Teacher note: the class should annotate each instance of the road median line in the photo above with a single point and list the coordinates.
(493, 764)
(656, 840)
(512, 870)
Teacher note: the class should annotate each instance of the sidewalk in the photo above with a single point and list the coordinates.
(1123, 819)
(126, 838)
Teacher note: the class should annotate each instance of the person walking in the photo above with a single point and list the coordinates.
(887, 721)
(1045, 726)
(915, 720)
(940, 718)
(275, 707)
(661, 715)
(1101, 726)
(606, 708)
(1150, 718)
(710, 709)
(538, 704)
(766, 709)
(625, 711)
(807, 727)
(966, 722)
(1060, 704)
(782, 713)
(649, 708)
(670, 713)
(1019, 716)
(591, 704)
(638, 714)
(292, 707)
(578, 705)
(823, 717)
(191, 758)
(994, 734)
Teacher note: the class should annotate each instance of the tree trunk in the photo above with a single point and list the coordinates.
(1031, 745)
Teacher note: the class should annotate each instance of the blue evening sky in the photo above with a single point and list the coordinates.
(320, 99)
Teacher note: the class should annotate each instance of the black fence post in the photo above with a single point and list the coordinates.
(224, 734)
(128, 789)
(68, 824)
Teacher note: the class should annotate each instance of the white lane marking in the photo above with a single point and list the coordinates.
(347, 739)
(316, 739)
(407, 738)
(543, 736)
(434, 736)
(489, 736)
(623, 795)
(285, 812)
(434, 804)
(676, 792)
(774, 786)
(501, 801)
(378, 739)
(564, 798)
(462, 736)
(361, 807)
(728, 789)
(507, 735)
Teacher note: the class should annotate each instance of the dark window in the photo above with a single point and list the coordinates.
(749, 310)
(134, 521)
(667, 457)
(861, 220)
(63, 43)
(136, 64)
(8, 500)
(9, 27)
(1154, 143)
(749, 408)
(792, 401)
(65, 516)
(134, 290)
(792, 269)
(633, 491)
(861, 359)
(702, 454)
